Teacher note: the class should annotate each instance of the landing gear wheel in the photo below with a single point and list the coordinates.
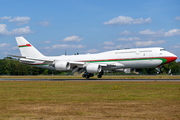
(87, 76)
(99, 76)
(91, 75)
(102, 72)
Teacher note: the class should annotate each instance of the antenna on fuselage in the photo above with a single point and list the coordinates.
(65, 52)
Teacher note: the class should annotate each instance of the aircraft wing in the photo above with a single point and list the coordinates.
(29, 58)
(47, 61)
(73, 63)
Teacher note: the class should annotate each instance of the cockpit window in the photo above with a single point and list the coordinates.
(162, 50)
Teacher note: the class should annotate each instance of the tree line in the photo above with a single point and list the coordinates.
(10, 66)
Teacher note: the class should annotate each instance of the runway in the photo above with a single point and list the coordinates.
(177, 80)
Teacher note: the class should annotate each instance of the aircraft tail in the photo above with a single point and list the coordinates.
(26, 49)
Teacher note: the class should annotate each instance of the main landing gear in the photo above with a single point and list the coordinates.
(88, 75)
(100, 74)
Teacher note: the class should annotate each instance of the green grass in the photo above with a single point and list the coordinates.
(88, 100)
(88, 91)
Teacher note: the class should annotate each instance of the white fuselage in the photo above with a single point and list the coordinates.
(94, 63)
(125, 58)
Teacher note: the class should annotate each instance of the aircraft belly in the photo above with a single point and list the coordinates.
(47, 67)
(141, 63)
(112, 65)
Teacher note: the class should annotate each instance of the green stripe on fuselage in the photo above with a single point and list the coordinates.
(162, 59)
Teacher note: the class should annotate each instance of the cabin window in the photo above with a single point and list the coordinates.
(125, 52)
(146, 51)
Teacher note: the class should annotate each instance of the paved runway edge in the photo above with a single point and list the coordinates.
(90, 80)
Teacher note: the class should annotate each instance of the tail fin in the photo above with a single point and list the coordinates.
(26, 49)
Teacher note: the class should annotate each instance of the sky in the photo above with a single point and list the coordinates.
(89, 26)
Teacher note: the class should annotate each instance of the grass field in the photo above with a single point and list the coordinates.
(96, 100)
(95, 77)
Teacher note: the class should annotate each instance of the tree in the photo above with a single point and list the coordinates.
(45, 72)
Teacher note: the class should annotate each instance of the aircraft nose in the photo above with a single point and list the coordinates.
(174, 58)
(171, 59)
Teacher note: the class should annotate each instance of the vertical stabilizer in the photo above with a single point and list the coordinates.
(26, 49)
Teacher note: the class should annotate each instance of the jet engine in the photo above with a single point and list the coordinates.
(93, 68)
(62, 65)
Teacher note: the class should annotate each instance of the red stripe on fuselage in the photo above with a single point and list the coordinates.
(169, 59)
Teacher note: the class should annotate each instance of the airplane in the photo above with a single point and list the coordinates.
(94, 63)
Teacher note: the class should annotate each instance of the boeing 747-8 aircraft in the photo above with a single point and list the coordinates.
(95, 63)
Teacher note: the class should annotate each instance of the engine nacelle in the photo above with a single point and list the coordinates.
(93, 68)
(62, 65)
